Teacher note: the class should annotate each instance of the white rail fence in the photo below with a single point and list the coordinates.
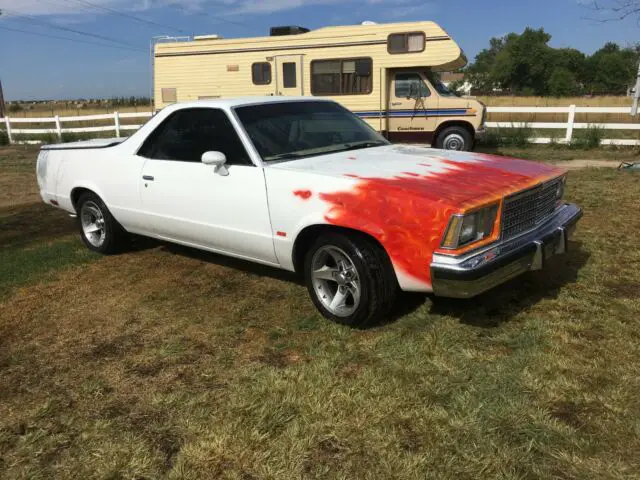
(58, 130)
(569, 126)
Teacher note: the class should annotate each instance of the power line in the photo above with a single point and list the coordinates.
(203, 13)
(126, 15)
(71, 39)
(29, 19)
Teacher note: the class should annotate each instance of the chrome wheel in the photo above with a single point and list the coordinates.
(335, 280)
(453, 141)
(92, 221)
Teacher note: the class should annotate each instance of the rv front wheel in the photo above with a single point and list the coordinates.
(454, 138)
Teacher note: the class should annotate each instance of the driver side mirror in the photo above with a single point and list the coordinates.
(218, 160)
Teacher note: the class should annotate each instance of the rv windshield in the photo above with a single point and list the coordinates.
(440, 87)
(293, 130)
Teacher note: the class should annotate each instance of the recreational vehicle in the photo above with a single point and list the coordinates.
(385, 73)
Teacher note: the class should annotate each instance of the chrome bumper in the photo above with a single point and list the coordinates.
(468, 275)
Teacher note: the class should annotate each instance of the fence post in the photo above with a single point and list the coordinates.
(8, 124)
(116, 119)
(58, 128)
(570, 122)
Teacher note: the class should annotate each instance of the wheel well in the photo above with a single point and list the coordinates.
(75, 195)
(308, 235)
(454, 123)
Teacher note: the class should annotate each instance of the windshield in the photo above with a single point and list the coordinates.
(440, 87)
(291, 130)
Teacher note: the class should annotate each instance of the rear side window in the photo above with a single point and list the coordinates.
(186, 134)
(261, 73)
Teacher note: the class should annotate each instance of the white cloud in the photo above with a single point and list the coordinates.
(61, 7)
(215, 7)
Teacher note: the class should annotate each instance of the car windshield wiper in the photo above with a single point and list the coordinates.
(284, 156)
(364, 144)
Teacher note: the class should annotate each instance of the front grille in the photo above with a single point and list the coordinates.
(525, 210)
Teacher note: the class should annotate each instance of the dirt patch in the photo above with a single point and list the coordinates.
(579, 163)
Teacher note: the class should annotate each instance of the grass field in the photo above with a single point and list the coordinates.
(165, 362)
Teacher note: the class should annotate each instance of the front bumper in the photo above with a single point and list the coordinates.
(476, 272)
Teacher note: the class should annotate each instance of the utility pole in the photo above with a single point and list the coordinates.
(2, 110)
(636, 95)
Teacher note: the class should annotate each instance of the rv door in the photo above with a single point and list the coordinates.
(412, 109)
(289, 79)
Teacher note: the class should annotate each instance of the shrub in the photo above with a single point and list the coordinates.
(588, 138)
(4, 138)
(518, 136)
(491, 138)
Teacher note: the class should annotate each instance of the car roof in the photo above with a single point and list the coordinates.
(241, 101)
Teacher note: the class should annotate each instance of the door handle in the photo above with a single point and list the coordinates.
(148, 177)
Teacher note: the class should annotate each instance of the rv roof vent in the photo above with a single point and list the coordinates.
(207, 37)
(368, 22)
(287, 30)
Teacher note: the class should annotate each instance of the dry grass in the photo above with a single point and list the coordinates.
(168, 363)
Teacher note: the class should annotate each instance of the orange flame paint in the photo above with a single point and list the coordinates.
(408, 214)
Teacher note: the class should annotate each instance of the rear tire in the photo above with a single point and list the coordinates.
(350, 279)
(455, 138)
(99, 231)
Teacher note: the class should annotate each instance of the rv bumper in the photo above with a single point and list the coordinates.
(474, 273)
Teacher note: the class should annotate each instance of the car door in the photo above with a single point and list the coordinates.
(412, 108)
(223, 209)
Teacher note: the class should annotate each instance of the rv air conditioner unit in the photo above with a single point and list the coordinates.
(287, 30)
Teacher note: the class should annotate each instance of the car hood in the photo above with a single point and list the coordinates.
(459, 179)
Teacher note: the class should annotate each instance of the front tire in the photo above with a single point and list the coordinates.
(350, 279)
(455, 138)
(99, 231)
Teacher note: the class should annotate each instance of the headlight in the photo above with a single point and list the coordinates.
(470, 228)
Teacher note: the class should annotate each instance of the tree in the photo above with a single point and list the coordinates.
(612, 69)
(525, 63)
(562, 83)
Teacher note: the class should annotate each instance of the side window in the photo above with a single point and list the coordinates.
(410, 84)
(186, 134)
(289, 75)
(351, 76)
(412, 42)
(261, 73)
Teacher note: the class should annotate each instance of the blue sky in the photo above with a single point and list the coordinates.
(35, 67)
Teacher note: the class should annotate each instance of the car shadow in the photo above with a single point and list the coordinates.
(499, 305)
(488, 310)
(245, 266)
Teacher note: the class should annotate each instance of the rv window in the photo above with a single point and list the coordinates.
(406, 42)
(261, 73)
(341, 77)
(410, 85)
(289, 75)
(186, 134)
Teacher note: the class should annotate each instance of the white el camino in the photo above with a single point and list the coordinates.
(304, 185)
